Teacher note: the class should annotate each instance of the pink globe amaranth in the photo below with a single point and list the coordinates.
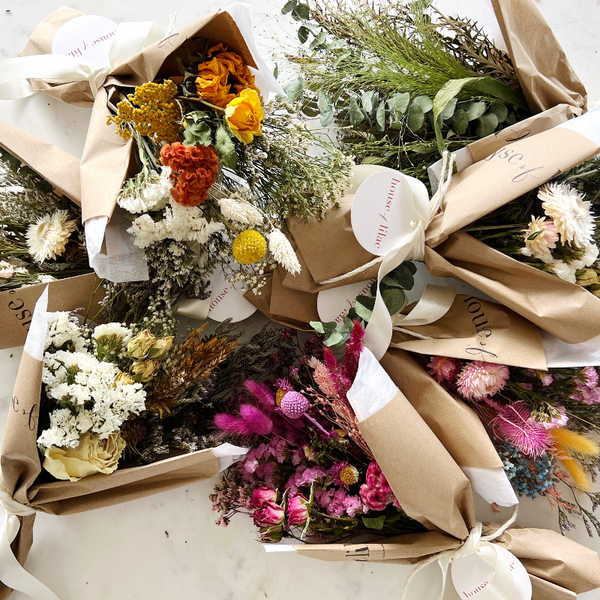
(297, 510)
(294, 405)
(263, 495)
(268, 515)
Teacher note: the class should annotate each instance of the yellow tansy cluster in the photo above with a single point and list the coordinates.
(152, 111)
(249, 247)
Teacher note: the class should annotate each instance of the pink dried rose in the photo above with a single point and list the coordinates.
(263, 495)
(297, 510)
(480, 380)
(268, 515)
(442, 368)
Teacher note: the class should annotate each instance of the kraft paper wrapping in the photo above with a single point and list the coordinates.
(406, 449)
(546, 77)
(564, 309)
(16, 306)
(476, 329)
(456, 426)
(106, 155)
(21, 466)
(559, 568)
(56, 166)
(285, 306)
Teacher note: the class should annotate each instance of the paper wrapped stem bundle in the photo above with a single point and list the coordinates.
(24, 492)
(60, 170)
(423, 471)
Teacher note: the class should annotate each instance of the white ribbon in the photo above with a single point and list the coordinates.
(12, 574)
(502, 585)
(378, 333)
(129, 39)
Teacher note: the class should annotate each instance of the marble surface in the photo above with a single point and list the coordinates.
(167, 546)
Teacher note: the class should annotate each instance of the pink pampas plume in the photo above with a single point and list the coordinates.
(255, 419)
(514, 425)
(261, 392)
(231, 424)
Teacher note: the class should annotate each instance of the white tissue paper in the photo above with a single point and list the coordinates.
(36, 336)
(227, 454)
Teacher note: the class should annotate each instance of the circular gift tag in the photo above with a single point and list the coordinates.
(384, 206)
(478, 576)
(334, 304)
(88, 37)
(227, 300)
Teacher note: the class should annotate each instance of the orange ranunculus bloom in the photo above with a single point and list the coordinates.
(244, 115)
(211, 83)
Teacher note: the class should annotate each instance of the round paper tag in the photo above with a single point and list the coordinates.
(474, 577)
(88, 37)
(227, 300)
(383, 208)
(334, 304)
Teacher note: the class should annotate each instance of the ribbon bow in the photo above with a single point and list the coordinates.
(12, 573)
(501, 585)
(378, 333)
(129, 39)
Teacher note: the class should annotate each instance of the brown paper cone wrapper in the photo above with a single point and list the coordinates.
(546, 300)
(542, 67)
(475, 329)
(454, 424)
(16, 306)
(406, 449)
(21, 467)
(558, 567)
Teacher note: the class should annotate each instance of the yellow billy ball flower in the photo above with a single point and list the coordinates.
(249, 247)
(278, 396)
(349, 475)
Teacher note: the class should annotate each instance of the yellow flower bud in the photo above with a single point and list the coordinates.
(124, 378)
(161, 348)
(589, 277)
(140, 345)
(143, 370)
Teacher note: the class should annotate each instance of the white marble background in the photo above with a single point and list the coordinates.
(167, 546)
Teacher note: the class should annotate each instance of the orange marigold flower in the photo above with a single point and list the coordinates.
(193, 171)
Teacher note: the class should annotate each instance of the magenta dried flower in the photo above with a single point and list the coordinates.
(297, 510)
(353, 350)
(376, 493)
(480, 380)
(255, 420)
(444, 369)
(268, 515)
(294, 405)
(261, 392)
(262, 496)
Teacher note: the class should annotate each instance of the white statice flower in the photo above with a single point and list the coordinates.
(6, 270)
(564, 270)
(147, 191)
(176, 249)
(48, 236)
(112, 330)
(572, 216)
(147, 231)
(240, 211)
(61, 330)
(590, 255)
(45, 278)
(82, 380)
(283, 253)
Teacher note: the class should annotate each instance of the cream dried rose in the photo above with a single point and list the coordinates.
(90, 457)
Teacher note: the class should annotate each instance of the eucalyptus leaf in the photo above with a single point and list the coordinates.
(317, 326)
(373, 160)
(410, 266)
(394, 299)
(500, 111)
(225, 147)
(380, 117)
(398, 105)
(387, 281)
(326, 108)
(486, 125)
(355, 114)
(302, 11)
(303, 33)
(319, 40)
(369, 100)
(460, 121)
(288, 7)
(374, 523)
(415, 118)
(336, 338)
(511, 119)
(424, 102)
(276, 71)
(362, 312)
(294, 90)
(403, 276)
(366, 301)
(475, 110)
(396, 125)
(448, 112)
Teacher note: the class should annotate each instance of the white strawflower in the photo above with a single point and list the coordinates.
(6, 270)
(148, 191)
(540, 237)
(48, 236)
(571, 214)
(590, 255)
(283, 253)
(240, 211)
(112, 329)
(564, 271)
